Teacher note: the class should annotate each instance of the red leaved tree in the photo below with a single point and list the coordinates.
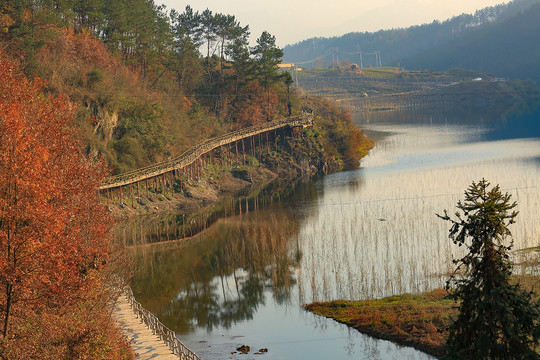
(53, 231)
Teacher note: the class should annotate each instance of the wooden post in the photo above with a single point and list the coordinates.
(121, 196)
(164, 185)
(222, 155)
(138, 193)
(267, 143)
(108, 198)
(131, 191)
(260, 147)
(236, 144)
(244, 152)
(181, 185)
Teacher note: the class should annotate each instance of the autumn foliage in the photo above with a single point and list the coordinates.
(53, 231)
(342, 139)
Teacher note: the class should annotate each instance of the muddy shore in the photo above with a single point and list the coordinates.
(205, 191)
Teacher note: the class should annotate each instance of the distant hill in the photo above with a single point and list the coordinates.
(417, 46)
(508, 48)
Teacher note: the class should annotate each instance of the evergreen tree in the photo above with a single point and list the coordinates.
(187, 36)
(267, 56)
(496, 320)
(208, 25)
(229, 30)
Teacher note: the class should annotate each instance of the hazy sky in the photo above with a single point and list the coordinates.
(292, 21)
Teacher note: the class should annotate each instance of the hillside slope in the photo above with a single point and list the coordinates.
(507, 48)
(144, 90)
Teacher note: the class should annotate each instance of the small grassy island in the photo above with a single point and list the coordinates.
(420, 321)
(414, 320)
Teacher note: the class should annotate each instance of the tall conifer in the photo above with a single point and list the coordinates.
(497, 320)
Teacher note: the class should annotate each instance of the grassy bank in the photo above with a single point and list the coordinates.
(413, 320)
(420, 321)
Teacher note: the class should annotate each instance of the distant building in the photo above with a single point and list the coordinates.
(288, 67)
(285, 66)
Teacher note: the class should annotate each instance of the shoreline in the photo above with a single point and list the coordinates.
(195, 195)
(420, 321)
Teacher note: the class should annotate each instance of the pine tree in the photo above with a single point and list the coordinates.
(496, 320)
(267, 56)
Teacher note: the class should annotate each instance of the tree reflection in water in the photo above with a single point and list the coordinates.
(219, 278)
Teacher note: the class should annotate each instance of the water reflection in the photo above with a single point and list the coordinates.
(219, 278)
(186, 225)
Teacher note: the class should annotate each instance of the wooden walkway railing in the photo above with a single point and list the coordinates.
(164, 333)
(192, 154)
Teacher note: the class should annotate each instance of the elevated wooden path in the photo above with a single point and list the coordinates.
(163, 174)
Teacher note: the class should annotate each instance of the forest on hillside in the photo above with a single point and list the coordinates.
(138, 72)
(490, 40)
(507, 48)
(150, 82)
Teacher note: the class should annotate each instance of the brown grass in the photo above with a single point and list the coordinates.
(419, 321)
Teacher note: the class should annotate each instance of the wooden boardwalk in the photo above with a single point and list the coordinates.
(163, 175)
(144, 342)
(192, 154)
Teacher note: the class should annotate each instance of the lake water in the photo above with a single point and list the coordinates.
(361, 234)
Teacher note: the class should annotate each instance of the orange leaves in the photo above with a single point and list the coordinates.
(53, 231)
(69, 47)
(187, 102)
(254, 104)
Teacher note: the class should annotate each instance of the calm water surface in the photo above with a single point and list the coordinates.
(360, 234)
